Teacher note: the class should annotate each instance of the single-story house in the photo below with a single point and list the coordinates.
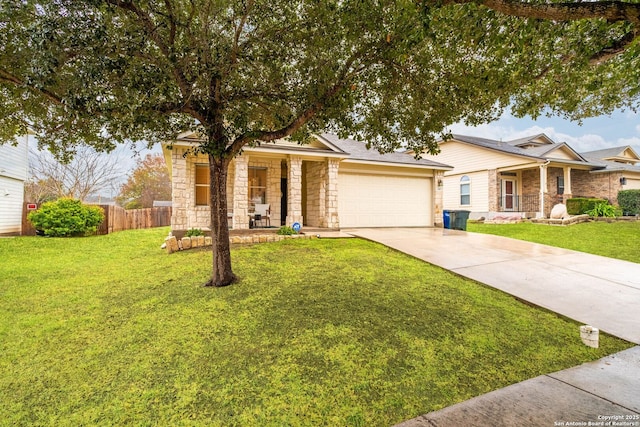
(14, 167)
(329, 183)
(527, 176)
(622, 161)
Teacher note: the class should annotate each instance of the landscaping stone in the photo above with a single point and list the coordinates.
(186, 243)
(559, 211)
(171, 244)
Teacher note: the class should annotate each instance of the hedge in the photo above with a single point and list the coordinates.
(580, 205)
(629, 202)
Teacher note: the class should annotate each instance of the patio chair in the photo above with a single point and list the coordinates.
(263, 214)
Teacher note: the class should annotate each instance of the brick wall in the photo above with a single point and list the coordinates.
(601, 185)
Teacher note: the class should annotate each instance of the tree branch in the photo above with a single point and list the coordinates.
(615, 49)
(5, 76)
(612, 11)
(167, 50)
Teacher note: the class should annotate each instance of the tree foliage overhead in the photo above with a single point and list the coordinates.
(389, 72)
(101, 72)
(148, 182)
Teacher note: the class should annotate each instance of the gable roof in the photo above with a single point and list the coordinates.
(538, 147)
(330, 145)
(357, 151)
(622, 158)
(622, 154)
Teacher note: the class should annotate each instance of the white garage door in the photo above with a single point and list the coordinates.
(632, 184)
(366, 200)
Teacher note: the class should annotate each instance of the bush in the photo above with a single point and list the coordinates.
(286, 231)
(581, 205)
(629, 201)
(604, 210)
(66, 218)
(194, 232)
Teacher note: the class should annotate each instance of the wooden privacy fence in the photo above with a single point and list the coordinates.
(118, 219)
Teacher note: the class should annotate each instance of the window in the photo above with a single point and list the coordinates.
(257, 186)
(560, 185)
(202, 185)
(465, 190)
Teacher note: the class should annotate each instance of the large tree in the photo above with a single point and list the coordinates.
(148, 182)
(390, 72)
(87, 173)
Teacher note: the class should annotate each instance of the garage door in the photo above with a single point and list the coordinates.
(632, 184)
(368, 200)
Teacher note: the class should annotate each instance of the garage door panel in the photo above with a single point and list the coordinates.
(384, 200)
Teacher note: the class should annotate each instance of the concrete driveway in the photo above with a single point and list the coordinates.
(594, 290)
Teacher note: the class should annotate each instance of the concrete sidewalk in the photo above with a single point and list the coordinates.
(599, 291)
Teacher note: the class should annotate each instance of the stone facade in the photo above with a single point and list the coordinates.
(312, 189)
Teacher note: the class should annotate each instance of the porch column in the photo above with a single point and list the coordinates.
(331, 194)
(294, 190)
(181, 198)
(494, 190)
(241, 193)
(567, 184)
(543, 189)
(438, 185)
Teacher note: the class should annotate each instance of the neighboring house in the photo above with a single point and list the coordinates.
(14, 166)
(622, 163)
(527, 176)
(329, 183)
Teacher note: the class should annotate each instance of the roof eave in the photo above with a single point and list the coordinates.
(439, 166)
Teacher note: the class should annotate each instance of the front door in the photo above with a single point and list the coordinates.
(508, 194)
(283, 201)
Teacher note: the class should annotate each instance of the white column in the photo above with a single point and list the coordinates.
(567, 184)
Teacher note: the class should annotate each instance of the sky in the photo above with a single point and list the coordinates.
(618, 129)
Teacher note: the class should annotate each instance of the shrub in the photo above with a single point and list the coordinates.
(194, 232)
(286, 231)
(604, 210)
(629, 201)
(66, 217)
(581, 205)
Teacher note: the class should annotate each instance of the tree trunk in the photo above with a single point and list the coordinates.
(222, 274)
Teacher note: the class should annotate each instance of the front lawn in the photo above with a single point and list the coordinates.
(619, 240)
(111, 330)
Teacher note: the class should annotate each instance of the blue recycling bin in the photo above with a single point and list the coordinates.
(447, 219)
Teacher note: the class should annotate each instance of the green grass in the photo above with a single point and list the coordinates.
(111, 330)
(619, 240)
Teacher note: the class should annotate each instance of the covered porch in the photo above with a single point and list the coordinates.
(293, 187)
(532, 190)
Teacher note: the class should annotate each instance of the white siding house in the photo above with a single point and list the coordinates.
(14, 165)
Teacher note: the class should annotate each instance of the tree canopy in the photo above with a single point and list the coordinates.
(148, 182)
(390, 72)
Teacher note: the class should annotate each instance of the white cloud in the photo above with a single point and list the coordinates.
(501, 131)
(634, 140)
